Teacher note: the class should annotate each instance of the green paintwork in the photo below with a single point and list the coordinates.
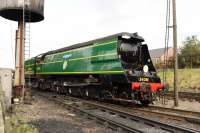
(99, 58)
(29, 66)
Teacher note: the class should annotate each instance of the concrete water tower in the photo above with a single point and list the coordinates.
(24, 12)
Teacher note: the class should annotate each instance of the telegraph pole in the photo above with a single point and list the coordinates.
(175, 54)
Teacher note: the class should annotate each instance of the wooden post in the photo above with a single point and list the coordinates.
(175, 55)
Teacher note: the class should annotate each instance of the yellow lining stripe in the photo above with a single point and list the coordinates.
(95, 45)
(28, 73)
(50, 62)
(92, 57)
(93, 72)
(29, 65)
(74, 59)
(101, 44)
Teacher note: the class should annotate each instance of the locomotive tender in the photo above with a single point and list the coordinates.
(115, 67)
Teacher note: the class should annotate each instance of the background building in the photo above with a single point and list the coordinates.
(157, 55)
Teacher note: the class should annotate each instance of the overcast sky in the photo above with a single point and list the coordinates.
(71, 21)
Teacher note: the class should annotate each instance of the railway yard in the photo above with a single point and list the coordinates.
(50, 112)
(99, 67)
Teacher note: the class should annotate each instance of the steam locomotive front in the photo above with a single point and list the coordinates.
(138, 68)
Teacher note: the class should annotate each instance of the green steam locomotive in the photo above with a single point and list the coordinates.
(116, 67)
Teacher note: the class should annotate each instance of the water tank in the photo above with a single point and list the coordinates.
(13, 9)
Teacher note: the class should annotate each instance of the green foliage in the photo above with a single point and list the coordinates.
(189, 55)
(19, 124)
(159, 65)
(24, 128)
(170, 64)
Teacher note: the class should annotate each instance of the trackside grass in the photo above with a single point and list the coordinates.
(189, 79)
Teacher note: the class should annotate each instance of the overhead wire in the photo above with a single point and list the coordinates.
(165, 64)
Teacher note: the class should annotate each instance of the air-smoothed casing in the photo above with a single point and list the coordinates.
(13, 9)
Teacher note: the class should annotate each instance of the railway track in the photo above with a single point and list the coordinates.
(189, 116)
(170, 113)
(115, 117)
(185, 95)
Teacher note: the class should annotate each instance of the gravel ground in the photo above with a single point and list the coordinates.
(49, 117)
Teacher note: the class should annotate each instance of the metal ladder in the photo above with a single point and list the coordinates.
(27, 20)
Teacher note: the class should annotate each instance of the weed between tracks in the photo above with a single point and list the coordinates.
(17, 123)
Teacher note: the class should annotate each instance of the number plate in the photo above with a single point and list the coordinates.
(142, 79)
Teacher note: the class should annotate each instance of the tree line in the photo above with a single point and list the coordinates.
(188, 55)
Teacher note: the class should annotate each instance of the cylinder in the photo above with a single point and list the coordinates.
(13, 10)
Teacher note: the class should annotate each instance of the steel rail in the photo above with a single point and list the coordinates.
(97, 117)
(164, 126)
(179, 111)
(185, 95)
(190, 116)
(127, 128)
(142, 120)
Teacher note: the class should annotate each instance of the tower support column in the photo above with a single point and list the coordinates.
(19, 80)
